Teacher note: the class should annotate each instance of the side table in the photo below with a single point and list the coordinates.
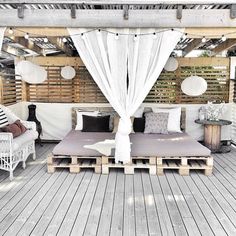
(212, 133)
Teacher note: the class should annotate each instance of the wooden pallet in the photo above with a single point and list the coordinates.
(148, 163)
(73, 163)
(185, 164)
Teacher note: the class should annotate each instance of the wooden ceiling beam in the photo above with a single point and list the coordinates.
(191, 46)
(229, 43)
(61, 45)
(157, 18)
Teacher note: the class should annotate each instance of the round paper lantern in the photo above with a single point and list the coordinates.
(194, 86)
(68, 72)
(171, 64)
(38, 76)
(24, 67)
(31, 73)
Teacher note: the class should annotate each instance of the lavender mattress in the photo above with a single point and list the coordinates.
(178, 144)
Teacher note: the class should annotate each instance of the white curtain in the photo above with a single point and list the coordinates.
(110, 59)
(2, 31)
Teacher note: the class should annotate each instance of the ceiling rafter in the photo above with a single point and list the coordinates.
(60, 45)
(27, 44)
(229, 43)
(195, 43)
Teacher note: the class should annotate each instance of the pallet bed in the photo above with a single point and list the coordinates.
(154, 165)
(153, 152)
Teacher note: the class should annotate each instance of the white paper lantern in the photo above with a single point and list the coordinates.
(30, 72)
(68, 72)
(194, 86)
(171, 64)
(24, 67)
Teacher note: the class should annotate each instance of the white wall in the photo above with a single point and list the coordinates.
(233, 130)
(56, 118)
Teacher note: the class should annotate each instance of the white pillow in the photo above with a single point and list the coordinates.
(174, 118)
(79, 123)
(139, 112)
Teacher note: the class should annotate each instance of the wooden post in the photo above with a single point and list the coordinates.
(1, 90)
(25, 90)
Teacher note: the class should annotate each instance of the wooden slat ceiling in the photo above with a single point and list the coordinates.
(49, 48)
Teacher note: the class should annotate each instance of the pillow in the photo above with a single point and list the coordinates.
(112, 115)
(174, 118)
(16, 128)
(3, 118)
(156, 123)
(96, 123)
(79, 123)
(116, 123)
(139, 112)
(139, 125)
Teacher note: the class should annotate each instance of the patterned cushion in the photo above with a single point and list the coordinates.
(156, 123)
(3, 118)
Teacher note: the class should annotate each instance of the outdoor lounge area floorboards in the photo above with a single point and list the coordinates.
(38, 203)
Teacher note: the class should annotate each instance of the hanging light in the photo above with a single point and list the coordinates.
(117, 36)
(194, 86)
(154, 35)
(184, 36)
(45, 40)
(10, 31)
(135, 37)
(171, 64)
(26, 36)
(204, 39)
(68, 72)
(64, 40)
(223, 38)
(82, 36)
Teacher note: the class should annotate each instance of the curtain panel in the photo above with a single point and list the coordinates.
(125, 64)
(2, 31)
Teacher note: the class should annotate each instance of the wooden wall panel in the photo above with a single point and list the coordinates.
(10, 90)
(167, 89)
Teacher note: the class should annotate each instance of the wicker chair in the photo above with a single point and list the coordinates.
(14, 151)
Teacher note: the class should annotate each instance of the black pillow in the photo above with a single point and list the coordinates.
(139, 124)
(96, 123)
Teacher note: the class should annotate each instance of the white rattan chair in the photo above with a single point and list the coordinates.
(14, 151)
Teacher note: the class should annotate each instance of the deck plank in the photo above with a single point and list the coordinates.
(106, 214)
(38, 203)
(94, 216)
(129, 217)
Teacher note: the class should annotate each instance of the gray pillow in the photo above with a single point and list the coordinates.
(156, 123)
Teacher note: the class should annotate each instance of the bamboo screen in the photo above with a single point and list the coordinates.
(10, 90)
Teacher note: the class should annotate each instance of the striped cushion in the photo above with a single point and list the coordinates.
(3, 119)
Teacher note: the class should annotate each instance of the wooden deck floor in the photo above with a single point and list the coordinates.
(37, 203)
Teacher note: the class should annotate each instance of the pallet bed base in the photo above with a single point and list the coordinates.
(185, 164)
(73, 163)
(154, 165)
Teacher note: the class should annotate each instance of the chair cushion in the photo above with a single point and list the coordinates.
(16, 128)
(21, 140)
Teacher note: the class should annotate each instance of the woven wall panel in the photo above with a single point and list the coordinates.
(167, 89)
